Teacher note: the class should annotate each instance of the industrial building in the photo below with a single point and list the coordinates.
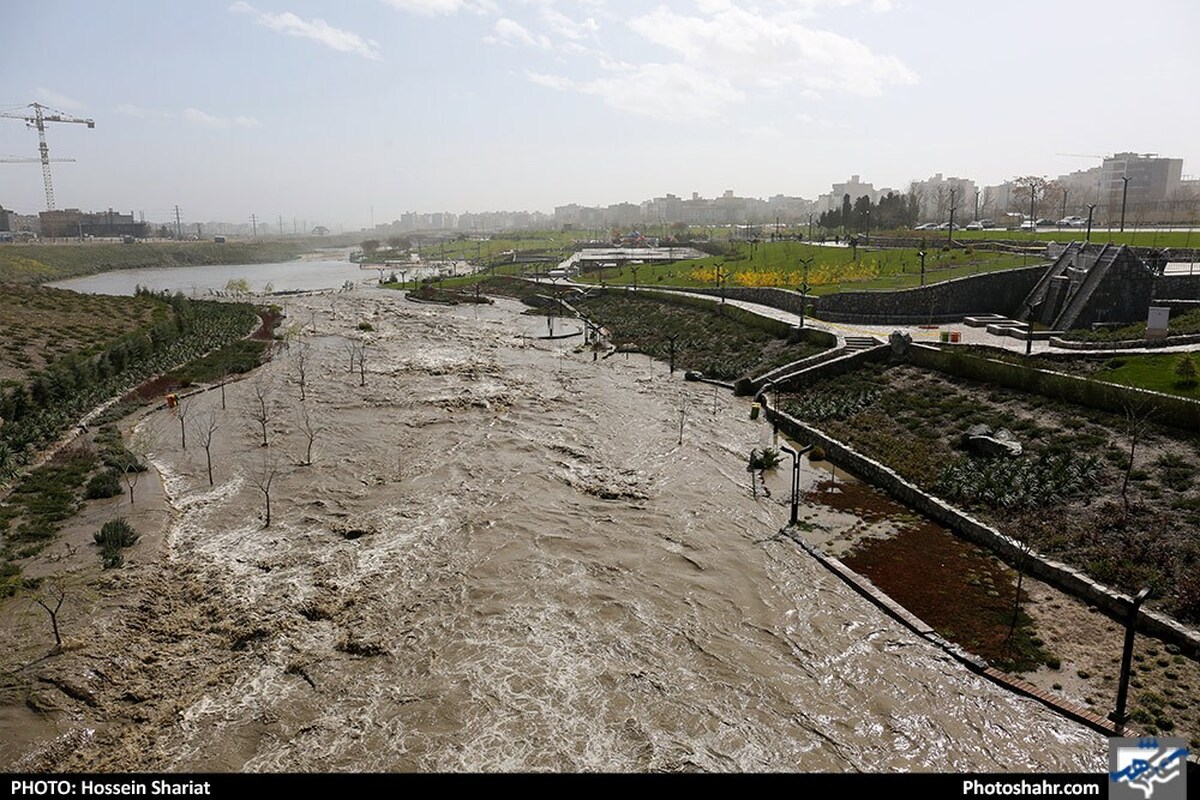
(73, 223)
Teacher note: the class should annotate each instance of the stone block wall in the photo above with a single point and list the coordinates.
(1053, 572)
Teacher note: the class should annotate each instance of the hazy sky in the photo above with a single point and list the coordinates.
(325, 110)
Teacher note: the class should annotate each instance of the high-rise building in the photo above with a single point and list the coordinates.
(1153, 183)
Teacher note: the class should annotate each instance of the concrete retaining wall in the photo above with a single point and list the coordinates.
(1053, 572)
(989, 293)
(1179, 412)
(1178, 287)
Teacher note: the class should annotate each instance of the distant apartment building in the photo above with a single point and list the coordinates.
(936, 195)
(4, 223)
(1082, 186)
(854, 187)
(72, 222)
(1153, 183)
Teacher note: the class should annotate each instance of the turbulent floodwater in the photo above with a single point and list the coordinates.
(503, 559)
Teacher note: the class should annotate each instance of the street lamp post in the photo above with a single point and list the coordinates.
(1064, 209)
(950, 229)
(921, 255)
(1124, 195)
(804, 287)
(1091, 208)
(795, 454)
(1118, 715)
(977, 205)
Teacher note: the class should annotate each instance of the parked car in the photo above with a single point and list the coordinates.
(926, 226)
(1045, 221)
(975, 226)
(1072, 222)
(948, 226)
(987, 223)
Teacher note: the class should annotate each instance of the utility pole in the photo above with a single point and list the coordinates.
(1064, 208)
(1124, 195)
(1091, 208)
(280, 226)
(199, 232)
(178, 227)
(977, 205)
(950, 230)
(254, 225)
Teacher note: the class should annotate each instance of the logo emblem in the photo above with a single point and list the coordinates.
(1141, 769)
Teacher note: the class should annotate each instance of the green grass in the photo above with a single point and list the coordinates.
(832, 269)
(716, 344)
(39, 263)
(235, 358)
(1099, 236)
(1155, 372)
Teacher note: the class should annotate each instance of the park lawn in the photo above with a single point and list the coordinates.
(831, 268)
(1155, 372)
(1099, 236)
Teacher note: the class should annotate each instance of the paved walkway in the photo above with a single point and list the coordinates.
(930, 334)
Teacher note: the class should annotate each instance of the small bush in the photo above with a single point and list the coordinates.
(767, 458)
(103, 484)
(817, 453)
(366, 326)
(112, 537)
(116, 533)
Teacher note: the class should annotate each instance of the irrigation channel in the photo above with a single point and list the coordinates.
(508, 556)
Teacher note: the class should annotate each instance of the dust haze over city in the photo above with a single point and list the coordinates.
(600, 386)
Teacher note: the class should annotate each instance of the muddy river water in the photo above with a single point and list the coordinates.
(503, 558)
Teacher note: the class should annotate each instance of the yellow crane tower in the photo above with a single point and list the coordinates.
(38, 119)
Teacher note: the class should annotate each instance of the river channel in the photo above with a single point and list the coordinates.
(508, 556)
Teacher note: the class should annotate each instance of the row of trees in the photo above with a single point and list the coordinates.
(892, 211)
(34, 413)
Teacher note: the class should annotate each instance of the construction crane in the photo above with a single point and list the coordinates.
(41, 115)
(30, 160)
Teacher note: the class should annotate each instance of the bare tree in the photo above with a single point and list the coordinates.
(1139, 416)
(206, 427)
(362, 363)
(351, 347)
(50, 594)
(310, 431)
(182, 409)
(300, 359)
(131, 462)
(262, 478)
(259, 407)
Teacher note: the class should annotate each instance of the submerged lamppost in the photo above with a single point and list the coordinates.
(795, 454)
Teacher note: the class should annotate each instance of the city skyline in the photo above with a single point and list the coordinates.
(339, 114)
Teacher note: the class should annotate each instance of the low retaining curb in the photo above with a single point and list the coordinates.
(1053, 572)
(974, 663)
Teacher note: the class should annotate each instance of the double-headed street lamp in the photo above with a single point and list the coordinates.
(804, 287)
(795, 454)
